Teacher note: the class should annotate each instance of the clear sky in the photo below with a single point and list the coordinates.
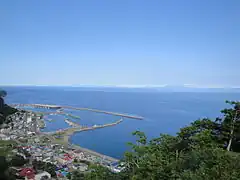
(120, 42)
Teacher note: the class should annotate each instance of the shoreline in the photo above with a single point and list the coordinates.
(92, 152)
(69, 132)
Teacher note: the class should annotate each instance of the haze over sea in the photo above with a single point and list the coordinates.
(164, 112)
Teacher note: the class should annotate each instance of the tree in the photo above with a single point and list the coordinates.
(69, 176)
(1, 104)
(45, 166)
(76, 175)
(99, 172)
(3, 93)
(3, 164)
(229, 134)
(50, 168)
(5, 112)
(17, 160)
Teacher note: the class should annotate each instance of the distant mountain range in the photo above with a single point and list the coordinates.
(195, 89)
(166, 88)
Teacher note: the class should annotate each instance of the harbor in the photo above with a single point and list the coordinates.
(57, 107)
(62, 136)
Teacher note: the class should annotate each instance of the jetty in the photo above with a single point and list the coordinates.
(72, 130)
(46, 106)
(70, 123)
(70, 115)
(105, 112)
(58, 107)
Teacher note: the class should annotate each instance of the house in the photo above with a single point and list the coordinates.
(28, 173)
(31, 133)
(13, 136)
(61, 161)
(48, 159)
(4, 137)
(41, 175)
(29, 119)
(81, 167)
(117, 167)
(37, 140)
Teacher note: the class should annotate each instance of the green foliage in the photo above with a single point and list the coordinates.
(3, 168)
(18, 160)
(5, 111)
(210, 163)
(3, 164)
(76, 175)
(198, 152)
(40, 165)
(6, 147)
(3, 93)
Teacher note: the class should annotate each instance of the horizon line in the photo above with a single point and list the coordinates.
(124, 86)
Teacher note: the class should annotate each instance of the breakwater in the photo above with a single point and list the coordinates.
(81, 109)
(71, 130)
(46, 106)
(73, 124)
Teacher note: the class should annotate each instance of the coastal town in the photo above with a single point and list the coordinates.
(25, 140)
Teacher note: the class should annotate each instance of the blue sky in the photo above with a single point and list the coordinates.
(127, 42)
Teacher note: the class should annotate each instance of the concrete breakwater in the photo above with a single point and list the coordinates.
(72, 130)
(46, 106)
(73, 124)
(105, 112)
(75, 108)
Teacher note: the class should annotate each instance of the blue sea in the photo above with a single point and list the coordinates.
(163, 112)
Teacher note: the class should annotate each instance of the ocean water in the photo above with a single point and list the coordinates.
(163, 112)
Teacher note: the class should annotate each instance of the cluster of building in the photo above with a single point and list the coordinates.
(28, 173)
(64, 160)
(24, 128)
(21, 125)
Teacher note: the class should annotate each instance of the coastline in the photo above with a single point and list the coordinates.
(68, 132)
(66, 140)
(105, 157)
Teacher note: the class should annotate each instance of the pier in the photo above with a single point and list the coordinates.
(46, 106)
(81, 109)
(73, 124)
(72, 130)
(105, 112)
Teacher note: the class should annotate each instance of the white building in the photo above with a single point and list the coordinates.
(29, 119)
(40, 175)
(4, 137)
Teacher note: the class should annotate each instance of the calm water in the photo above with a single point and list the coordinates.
(163, 112)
